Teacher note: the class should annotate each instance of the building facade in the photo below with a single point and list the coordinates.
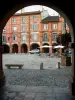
(26, 31)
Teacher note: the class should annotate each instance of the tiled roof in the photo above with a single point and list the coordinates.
(27, 13)
(51, 18)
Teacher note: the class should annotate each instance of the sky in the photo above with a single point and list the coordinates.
(39, 7)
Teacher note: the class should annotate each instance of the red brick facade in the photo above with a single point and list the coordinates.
(24, 32)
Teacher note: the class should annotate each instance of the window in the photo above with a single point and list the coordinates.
(23, 19)
(54, 36)
(45, 37)
(34, 18)
(14, 28)
(34, 37)
(8, 38)
(23, 27)
(34, 27)
(54, 26)
(23, 37)
(14, 20)
(14, 37)
(3, 38)
(45, 26)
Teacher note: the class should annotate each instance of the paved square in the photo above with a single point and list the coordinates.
(31, 83)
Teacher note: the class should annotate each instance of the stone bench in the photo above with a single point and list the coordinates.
(14, 65)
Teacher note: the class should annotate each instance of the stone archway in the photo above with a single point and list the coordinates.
(62, 7)
(34, 46)
(24, 48)
(45, 50)
(53, 49)
(15, 48)
(6, 48)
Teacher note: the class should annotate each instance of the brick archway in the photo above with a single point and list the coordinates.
(53, 49)
(24, 48)
(34, 46)
(45, 50)
(15, 48)
(8, 12)
(6, 48)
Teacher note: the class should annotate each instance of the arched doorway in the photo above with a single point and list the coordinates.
(45, 50)
(24, 48)
(69, 13)
(6, 48)
(15, 48)
(34, 46)
(54, 50)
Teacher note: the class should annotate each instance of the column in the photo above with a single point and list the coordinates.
(40, 47)
(41, 40)
(29, 41)
(2, 77)
(28, 48)
(50, 43)
(10, 48)
(73, 69)
(19, 48)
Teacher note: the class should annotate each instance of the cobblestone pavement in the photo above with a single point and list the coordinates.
(34, 77)
(30, 61)
(31, 83)
(18, 92)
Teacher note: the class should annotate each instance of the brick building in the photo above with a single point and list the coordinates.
(30, 30)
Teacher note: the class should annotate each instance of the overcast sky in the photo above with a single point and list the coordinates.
(39, 7)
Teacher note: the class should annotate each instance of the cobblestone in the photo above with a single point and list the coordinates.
(37, 77)
(31, 83)
(34, 76)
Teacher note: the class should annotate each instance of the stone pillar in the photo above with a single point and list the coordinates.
(73, 69)
(10, 48)
(2, 77)
(41, 49)
(50, 51)
(41, 40)
(19, 48)
(28, 47)
(40, 46)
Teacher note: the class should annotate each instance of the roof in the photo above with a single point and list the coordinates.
(27, 13)
(51, 18)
